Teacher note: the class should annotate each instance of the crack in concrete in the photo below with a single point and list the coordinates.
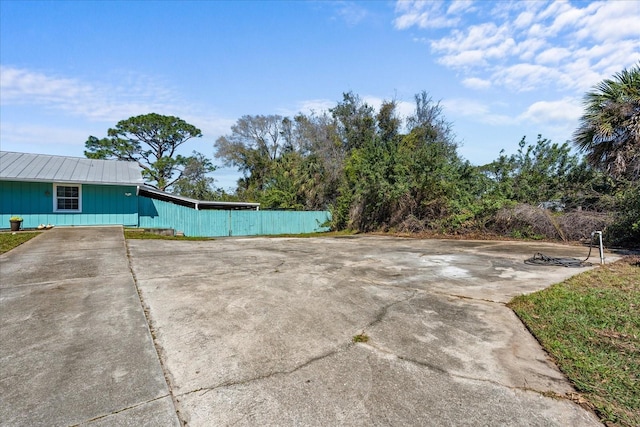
(119, 411)
(471, 298)
(156, 345)
(385, 310)
(549, 394)
(433, 292)
(270, 374)
(382, 314)
(378, 318)
(69, 281)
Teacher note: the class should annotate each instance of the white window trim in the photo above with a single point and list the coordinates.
(55, 198)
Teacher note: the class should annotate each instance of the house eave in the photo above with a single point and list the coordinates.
(65, 181)
(154, 193)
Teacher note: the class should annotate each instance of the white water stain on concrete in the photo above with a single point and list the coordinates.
(443, 266)
(455, 272)
(510, 273)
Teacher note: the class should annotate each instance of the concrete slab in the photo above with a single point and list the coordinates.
(160, 412)
(259, 331)
(75, 344)
(360, 386)
(66, 253)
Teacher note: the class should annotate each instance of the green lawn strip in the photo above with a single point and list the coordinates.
(135, 233)
(590, 324)
(9, 241)
(314, 234)
(141, 234)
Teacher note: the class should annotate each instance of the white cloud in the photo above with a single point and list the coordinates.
(476, 83)
(527, 77)
(504, 10)
(351, 12)
(523, 46)
(423, 14)
(476, 110)
(458, 6)
(103, 101)
(553, 119)
(611, 21)
(560, 111)
(17, 136)
(211, 126)
(554, 9)
(473, 48)
(524, 20)
(553, 55)
(527, 49)
(556, 120)
(478, 37)
(21, 86)
(567, 19)
(468, 58)
(315, 105)
(92, 108)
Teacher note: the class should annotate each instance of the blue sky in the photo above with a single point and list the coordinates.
(502, 70)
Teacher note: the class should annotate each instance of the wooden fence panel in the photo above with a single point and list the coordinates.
(216, 223)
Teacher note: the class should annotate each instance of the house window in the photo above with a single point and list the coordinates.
(68, 198)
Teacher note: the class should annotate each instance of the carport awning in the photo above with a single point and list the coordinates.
(154, 193)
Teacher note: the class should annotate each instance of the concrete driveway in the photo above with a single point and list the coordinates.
(75, 347)
(260, 332)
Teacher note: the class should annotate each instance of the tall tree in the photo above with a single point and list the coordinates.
(429, 118)
(254, 144)
(389, 177)
(324, 153)
(609, 130)
(195, 181)
(152, 141)
(356, 121)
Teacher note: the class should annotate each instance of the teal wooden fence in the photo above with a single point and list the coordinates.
(215, 223)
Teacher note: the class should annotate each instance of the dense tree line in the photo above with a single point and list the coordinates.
(377, 170)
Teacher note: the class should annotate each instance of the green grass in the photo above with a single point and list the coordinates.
(590, 324)
(134, 233)
(9, 241)
(317, 234)
(141, 234)
(361, 338)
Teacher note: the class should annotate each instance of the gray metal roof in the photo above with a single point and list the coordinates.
(46, 168)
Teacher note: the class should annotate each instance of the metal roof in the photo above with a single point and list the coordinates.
(154, 193)
(47, 168)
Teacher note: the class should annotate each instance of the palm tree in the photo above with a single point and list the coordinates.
(609, 130)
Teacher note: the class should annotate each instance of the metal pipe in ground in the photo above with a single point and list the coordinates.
(600, 246)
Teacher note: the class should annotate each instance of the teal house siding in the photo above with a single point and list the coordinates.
(109, 204)
(101, 205)
(216, 223)
(91, 191)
